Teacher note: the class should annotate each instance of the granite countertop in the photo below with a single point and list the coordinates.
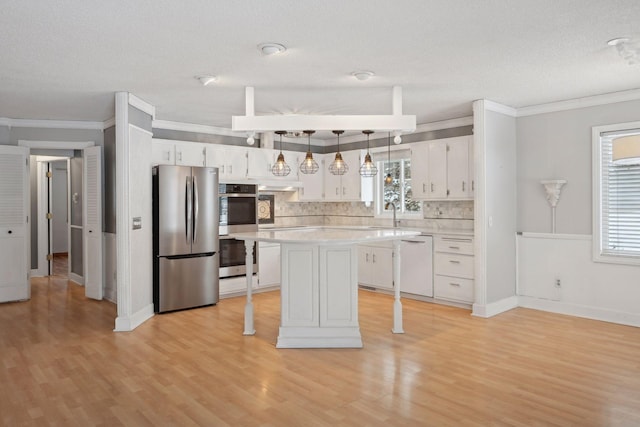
(326, 235)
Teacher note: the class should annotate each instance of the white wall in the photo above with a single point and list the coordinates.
(558, 146)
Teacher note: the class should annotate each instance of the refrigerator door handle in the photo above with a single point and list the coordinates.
(195, 209)
(187, 210)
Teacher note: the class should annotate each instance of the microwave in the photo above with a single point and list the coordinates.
(238, 208)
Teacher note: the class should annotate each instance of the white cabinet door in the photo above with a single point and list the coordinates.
(420, 173)
(312, 184)
(260, 161)
(14, 230)
(458, 169)
(230, 161)
(350, 181)
(472, 169)
(332, 183)
(190, 154)
(437, 166)
(92, 222)
(293, 159)
(375, 266)
(268, 264)
(162, 153)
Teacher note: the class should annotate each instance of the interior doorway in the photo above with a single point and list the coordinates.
(59, 222)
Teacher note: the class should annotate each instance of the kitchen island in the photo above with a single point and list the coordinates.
(319, 283)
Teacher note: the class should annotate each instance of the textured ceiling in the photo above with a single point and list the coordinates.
(65, 59)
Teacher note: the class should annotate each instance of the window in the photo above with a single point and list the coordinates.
(616, 186)
(399, 191)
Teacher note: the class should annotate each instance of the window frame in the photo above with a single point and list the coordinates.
(598, 254)
(380, 157)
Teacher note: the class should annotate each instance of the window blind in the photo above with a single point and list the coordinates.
(620, 214)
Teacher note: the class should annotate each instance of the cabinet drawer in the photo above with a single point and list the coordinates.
(453, 265)
(453, 288)
(455, 245)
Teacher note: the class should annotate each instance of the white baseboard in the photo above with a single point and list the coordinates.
(495, 308)
(127, 324)
(75, 278)
(622, 318)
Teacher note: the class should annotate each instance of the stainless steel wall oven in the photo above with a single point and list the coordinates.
(238, 213)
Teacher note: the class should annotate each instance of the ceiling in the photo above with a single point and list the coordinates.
(64, 60)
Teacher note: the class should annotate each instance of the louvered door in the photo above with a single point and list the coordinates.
(92, 222)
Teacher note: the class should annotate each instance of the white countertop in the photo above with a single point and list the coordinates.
(326, 235)
(423, 231)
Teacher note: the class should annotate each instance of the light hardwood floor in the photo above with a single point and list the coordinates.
(61, 364)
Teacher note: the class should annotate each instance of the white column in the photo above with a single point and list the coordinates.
(248, 308)
(397, 305)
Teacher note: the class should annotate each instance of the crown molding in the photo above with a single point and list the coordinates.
(195, 128)
(142, 105)
(51, 124)
(108, 123)
(500, 108)
(572, 104)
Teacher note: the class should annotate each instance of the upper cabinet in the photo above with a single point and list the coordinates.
(448, 174)
(231, 161)
(312, 184)
(348, 187)
(180, 153)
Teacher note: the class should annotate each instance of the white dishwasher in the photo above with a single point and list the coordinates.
(416, 266)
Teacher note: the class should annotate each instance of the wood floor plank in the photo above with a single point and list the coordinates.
(62, 364)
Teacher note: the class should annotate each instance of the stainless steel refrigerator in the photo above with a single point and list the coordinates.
(185, 237)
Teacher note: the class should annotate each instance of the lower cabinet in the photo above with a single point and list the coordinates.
(268, 264)
(453, 269)
(375, 266)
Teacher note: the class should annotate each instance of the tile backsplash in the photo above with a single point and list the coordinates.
(457, 215)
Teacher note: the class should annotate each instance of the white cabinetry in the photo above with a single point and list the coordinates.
(350, 187)
(312, 184)
(448, 174)
(180, 153)
(453, 268)
(230, 161)
(260, 161)
(268, 264)
(375, 265)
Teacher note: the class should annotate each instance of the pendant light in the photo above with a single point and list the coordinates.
(338, 166)
(308, 165)
(368, 168)
(388, 180)
(280, 168)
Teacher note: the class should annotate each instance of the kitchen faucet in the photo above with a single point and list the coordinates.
(396, 222)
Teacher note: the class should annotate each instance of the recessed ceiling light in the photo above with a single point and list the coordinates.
(363, 75)
(271, 48)
(206, 80)
(617, 41)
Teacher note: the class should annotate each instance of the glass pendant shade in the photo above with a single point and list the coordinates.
(368, 168)
(309, 165)
(280, 168)
(338, 166)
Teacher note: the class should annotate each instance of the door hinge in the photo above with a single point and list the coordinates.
(49, 215)
(49, 257)
(49, 174)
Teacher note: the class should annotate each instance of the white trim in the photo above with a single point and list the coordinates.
(56, 145)
(108, 123)
(141, 130)
(499, 108)
(75, 278)
(142, 105)
(557, 236)
(480, 209)
(495, 308)
(127, 324)
(123, 250)
(405, 123)
(191, 127)
(572, 104)
(620, 317)
(51, 124)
